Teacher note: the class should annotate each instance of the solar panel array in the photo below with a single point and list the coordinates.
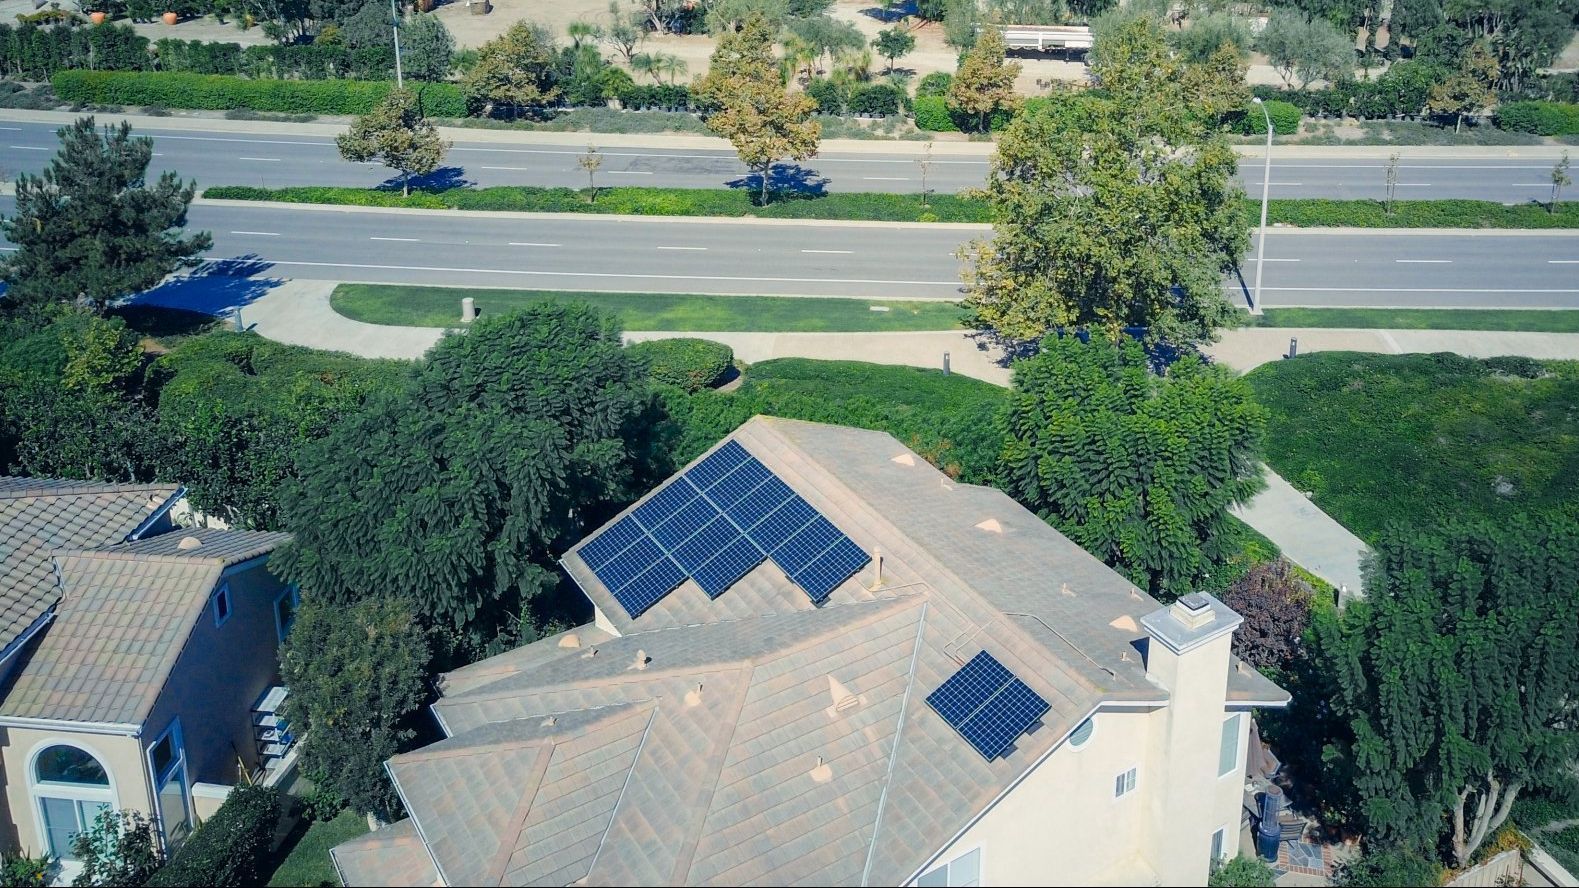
(987, 705)
(714, 523)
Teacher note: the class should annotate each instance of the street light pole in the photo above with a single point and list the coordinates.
(400, 80)
(1266, 189)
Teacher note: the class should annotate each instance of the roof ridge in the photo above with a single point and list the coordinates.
(116, 552)
(893, 754)
(84, 488)
(510, 836)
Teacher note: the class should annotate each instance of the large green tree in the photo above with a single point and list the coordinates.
(1118, 209)
(1470, 89)
(427, 48)
(515, 71)
(1458, 676)
(1139, 469)
(91, 229)
(397, 135)
(1305, 49)
(460, 492)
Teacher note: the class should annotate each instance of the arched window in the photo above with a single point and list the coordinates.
(71, 789)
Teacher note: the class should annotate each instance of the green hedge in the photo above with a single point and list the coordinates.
(1250, 122)
(217, 92)
(34, 52)
(691, 364)
(229, 848)
(1542, 118)
(932, 115)
(1316, 213)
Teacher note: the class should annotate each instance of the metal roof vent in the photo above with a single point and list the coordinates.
(822, 773)
(904, 459)
(991, 525)
(1192, 611)
(188, 543)
(153, 502)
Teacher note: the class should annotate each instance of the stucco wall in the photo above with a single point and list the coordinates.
(120, 756)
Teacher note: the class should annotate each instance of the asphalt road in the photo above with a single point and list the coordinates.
(270, 160)
(666, 255)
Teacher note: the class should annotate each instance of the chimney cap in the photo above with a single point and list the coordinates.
(1195, 601)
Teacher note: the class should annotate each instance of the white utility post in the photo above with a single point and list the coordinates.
(1266, 189)
(394, 12)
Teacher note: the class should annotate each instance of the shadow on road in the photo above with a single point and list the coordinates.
(219, 287)
(786, 180)
(442, 179)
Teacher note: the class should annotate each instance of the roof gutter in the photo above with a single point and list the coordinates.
(114, 729)
(20, 642)
(163, 510)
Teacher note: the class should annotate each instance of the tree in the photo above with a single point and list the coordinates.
(1387, 868)
(1560, 180)
(763, 120)
(1114, 210)
(959, 23)
(118, 849)
(371, 26)
(1458, 676)
(1209, 33)
(1275, 604)
(1138, 469)
(892, 43)
(90, 229)
(1392, 182)
(1469, 90)
(826, 37)
(984, 83)
(1306, 49)
(357, 670)
(427, 48)
(397, 135)
(625, 30)
(925, 163)
(592, 161)
(429, 493)
(515, 70)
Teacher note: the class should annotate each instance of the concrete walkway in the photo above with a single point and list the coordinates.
(1308, 536)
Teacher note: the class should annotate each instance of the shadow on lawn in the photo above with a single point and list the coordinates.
(786, 181)
(441, 179)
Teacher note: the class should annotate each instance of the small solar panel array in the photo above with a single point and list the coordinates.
(714, 524)
(987, 705)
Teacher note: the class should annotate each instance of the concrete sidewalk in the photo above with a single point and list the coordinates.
(1249, 347)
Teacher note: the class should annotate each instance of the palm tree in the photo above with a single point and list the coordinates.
(582, 32)
(671, 65)
(646, 63)
(799, 54)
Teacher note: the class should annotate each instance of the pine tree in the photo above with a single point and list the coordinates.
(90, 229)
(984, 83)
(396, 134)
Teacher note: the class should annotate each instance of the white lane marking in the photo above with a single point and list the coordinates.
(246, 141)
(698, 249)
(28, 148)
(530, 244)
(886, 178)
(629, 173)
(261, 159)
(1530, 185)
(845, 252)
(1403, 166)
(1413, 185)
(1562, 262)
(157, 154)
(719, 156)
(1285, 184)
(1425, 261)
(9, 249)
(602, 274)
(511, 169)
(1282, 260)
(11, 129)
(1232, 285)
(258, 233)
(407, 240)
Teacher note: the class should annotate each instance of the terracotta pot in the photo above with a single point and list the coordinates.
(170, 18)
(96, 17)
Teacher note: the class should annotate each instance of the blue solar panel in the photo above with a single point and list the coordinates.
(755, 506)
(610, 542)
(629, 564)
(650, 587)
(713, 538)
(1003, 718)
(987, 705)
(665, 503)
(831, 568)
(684, 523)
(728, 566)
(782, 524)
(736, 485)
(717, 464)
(800, 550)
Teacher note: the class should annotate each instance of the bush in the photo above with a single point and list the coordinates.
(830, 98)
(691, 364)
(1242, 872)
(1387, 869)
(228, 849)
(659, 97)
(1250, 122)
(26, 872)
(1541, 118)
(875, 98)
(219, 92)
(935, 84)
(932, 115)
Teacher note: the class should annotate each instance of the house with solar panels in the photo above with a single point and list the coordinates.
(816, 659)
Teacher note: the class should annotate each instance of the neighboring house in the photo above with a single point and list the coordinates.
(137, 653)
(816, 659)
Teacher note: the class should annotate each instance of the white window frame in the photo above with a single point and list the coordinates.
(294, 593)
(1131, 786)
(1223, 851)
(1236, 766)
(38, 790)
(981, 865)
(158, 781)
(222, 591)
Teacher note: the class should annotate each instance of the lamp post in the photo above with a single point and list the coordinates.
(394, 13)
(1266, 189)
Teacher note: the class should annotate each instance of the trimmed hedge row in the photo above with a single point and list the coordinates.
(1541, 118)
(692, 364)
(306, 61)
(1250, 121)
(228, 849)
(217, 92)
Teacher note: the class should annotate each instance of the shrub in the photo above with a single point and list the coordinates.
(1242, 872)
(932, 114)
(1250, 122)
(829, 97)
(691, 364)
(1516, 365)
(26, 872)
(660, 97)
(220, 92)
(875, 98)
(935, 84)
(1387, 869)
(227, 849)
(1541, 118)
(31, 52)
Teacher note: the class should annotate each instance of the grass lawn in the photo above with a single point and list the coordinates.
(441, 307)
(307, 862)
(1556, 321)
(1419, 438)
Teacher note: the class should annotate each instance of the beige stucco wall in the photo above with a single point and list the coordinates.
(120, 756)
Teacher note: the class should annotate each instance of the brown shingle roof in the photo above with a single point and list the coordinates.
(390, 856)
(39, 516)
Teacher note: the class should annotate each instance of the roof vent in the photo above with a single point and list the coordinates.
(1192, 611)
(550, 721)
(153, 502)
(188, 543)
(641, 661)
(991, 525)
(591, 652)
(1065, 591)
(843, 699)
(822, 773)
(905, 459)
(1126, 623)
(694, 697)
(570, 640)
(877, 569)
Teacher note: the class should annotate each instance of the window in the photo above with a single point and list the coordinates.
(1081, 734)
(963, 871)
(221, 604)
(71, 788)
(1219, 840)
(285, 606)
(167, 764)
(1124, 784)
(1228, 751)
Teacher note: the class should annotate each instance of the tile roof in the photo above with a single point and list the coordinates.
(126, 613)
(393, 855)
(39, 516)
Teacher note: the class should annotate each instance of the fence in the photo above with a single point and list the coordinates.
(1506, 868)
